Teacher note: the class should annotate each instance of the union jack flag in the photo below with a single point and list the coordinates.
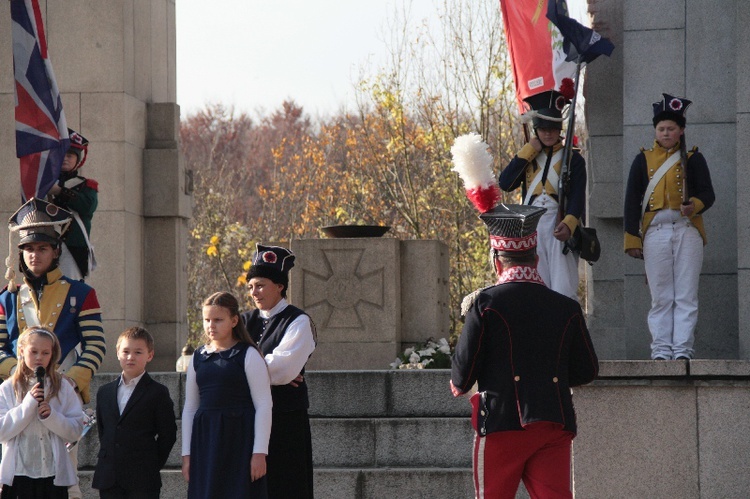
(41, 129)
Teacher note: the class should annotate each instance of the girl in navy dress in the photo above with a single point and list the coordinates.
(226, 421)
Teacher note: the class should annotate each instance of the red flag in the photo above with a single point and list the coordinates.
(536, 48)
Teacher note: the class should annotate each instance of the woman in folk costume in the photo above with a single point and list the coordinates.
(668, 191)
(536, 169)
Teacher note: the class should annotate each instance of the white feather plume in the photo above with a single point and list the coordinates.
(472, 161)
(474, 165)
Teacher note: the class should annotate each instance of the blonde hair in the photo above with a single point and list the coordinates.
(23, 372)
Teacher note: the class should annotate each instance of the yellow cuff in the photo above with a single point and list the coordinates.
(6, 366)
(527, 152)
(571, 222)
(82, 377)
(633, 242)
(698, 206)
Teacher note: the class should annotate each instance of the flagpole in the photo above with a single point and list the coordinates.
(564, 184)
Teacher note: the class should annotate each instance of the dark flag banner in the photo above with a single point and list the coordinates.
(41, 131)
(535, 47)
(579, 41)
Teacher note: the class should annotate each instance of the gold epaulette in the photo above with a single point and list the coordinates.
(469, 300)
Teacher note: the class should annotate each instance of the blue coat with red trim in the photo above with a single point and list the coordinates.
(526, 346)
(71, 310)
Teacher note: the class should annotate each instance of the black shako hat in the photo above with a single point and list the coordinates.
(512, 228)
(39, 221)
(271, 262)
(549, 104)
(671, 108)
(79, 145)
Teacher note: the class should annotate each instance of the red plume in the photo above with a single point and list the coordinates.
(567, 88)
(473, 163)
(484, 198)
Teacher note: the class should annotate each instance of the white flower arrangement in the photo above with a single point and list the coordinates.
(429, 355)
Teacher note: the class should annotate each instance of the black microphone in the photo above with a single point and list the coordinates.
(39, 372)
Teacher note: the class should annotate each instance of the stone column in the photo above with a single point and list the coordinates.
(114, 61)
(743, 180)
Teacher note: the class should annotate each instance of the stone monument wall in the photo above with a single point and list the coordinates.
(368, 297)
(115, 66)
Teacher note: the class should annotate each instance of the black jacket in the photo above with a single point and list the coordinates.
(268, 335)
(525, 345)
(516, 175)
(134, 446)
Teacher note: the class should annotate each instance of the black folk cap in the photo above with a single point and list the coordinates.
(271, 262)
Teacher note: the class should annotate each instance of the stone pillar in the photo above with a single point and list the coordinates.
(425, 293)
(743, 180)
(166, 210)
(603, 92)
(368, 295)
(114, 61)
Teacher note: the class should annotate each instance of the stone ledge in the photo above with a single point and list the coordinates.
(641, 368)
(675, 369)
(720, 368)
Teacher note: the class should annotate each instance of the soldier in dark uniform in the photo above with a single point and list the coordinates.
(536, 169)
(526, 346)
(80, 196)
(286, 338)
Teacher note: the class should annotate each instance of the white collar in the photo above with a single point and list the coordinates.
(132, 382)
(267, 314)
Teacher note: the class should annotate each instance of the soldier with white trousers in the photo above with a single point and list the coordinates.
(668, 190)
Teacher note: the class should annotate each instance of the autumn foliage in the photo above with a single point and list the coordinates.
(281, 176)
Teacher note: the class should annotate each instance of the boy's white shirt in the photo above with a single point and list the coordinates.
(65, 423)
(125, 390)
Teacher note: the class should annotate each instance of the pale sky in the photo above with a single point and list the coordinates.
(254, 54)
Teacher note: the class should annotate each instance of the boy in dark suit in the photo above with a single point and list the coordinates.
(136, 423)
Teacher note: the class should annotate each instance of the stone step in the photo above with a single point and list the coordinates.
(359, 419)
(392, 442)
(375, 434)
(352, 394)
(361, 443)
(345, 483)
(395, 393)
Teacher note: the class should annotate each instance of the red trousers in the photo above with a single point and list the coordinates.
(539, 455)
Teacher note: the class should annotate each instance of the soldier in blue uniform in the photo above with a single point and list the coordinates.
(47, 298)
(536, 169)
(668, 191)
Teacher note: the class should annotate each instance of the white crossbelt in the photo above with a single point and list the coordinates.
(663, 169)
(552, 176)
